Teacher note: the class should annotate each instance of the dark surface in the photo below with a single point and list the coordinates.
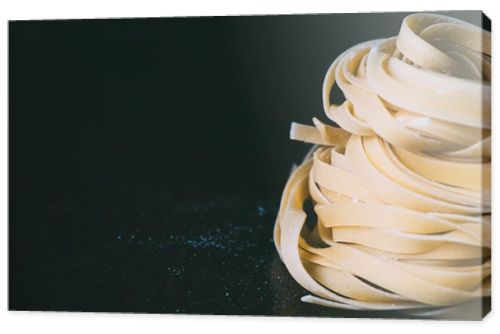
(147, 158)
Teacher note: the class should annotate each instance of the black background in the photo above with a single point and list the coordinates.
(147, 158)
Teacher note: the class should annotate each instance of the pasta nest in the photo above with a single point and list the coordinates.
(401, 191)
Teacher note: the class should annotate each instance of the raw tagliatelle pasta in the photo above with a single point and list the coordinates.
(401, 192)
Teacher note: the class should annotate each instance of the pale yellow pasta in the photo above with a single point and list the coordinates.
(401, 192)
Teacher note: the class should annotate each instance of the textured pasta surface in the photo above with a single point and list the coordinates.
(401, 191)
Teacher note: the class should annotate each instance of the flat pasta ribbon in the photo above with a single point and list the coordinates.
(401, 192)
